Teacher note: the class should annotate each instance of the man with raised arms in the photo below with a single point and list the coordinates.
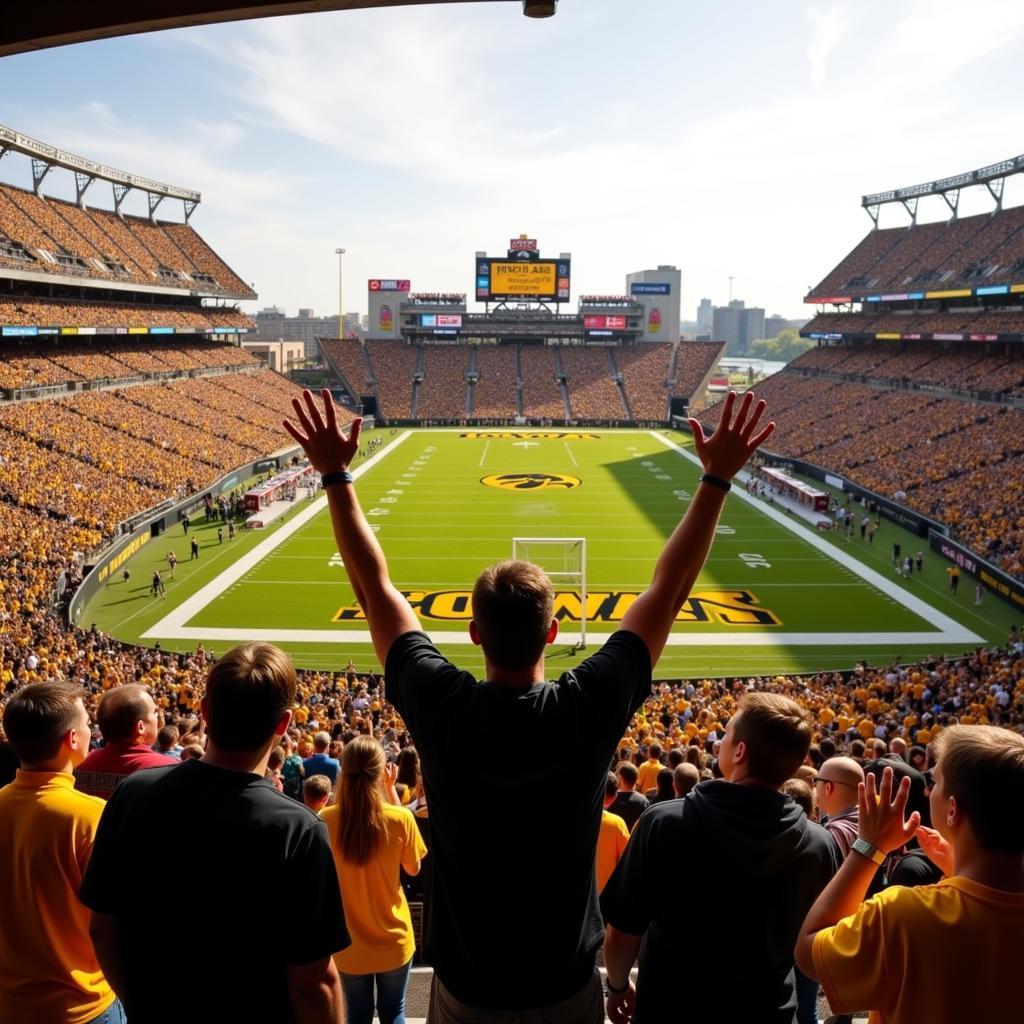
(514, 921)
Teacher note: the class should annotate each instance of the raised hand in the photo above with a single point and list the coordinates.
(727, 450)
(620, 1005)
(880, 820)
(326, 447)
(936, 848)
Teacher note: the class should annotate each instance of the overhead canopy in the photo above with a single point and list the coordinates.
(37, 26)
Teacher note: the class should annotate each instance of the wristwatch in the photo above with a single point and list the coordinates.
(865, 849)
(611, 990)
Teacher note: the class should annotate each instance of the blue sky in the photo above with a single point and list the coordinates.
(728, 139)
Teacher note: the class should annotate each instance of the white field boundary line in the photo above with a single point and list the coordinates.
(171, 625)
(450, 638)
(948, 629)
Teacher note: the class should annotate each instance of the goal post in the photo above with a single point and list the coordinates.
(564, 559)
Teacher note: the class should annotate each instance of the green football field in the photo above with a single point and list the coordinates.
(775, 595)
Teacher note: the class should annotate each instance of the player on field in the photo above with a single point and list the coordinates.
(514, 922)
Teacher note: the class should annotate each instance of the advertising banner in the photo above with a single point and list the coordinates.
(645, 288)
(388, 284)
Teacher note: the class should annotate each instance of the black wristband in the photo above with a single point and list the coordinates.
(716, 481)
(340, 476)
(616, 991)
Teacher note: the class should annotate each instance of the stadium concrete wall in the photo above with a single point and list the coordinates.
(993, 579)
(139, 530)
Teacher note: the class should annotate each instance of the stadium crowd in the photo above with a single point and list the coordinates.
(905, 719)
(650, 373)
(442, 394)
(128, 247)
(542, 396)
(592, 392)
(957, 366)
(986, 248)
(958, 462)
(36, 365)
(494, 393)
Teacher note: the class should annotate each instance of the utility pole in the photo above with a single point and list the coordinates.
(341, 303)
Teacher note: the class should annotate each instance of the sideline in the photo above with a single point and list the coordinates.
(172, 626)
(948, 629)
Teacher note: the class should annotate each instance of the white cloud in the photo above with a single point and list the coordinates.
(186, 159)
(830, 24)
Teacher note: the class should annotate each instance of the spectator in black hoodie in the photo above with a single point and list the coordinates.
(760, 862)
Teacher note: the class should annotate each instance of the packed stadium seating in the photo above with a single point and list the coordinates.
(592, 392)
(954, 365)
(983, 249)
(393, 364)
(443, 391)
(36, 312)
(38, 365)
(1004, 321)
(542, 397)
(351, 363)
(127, 248)
(958, 462)
(103, 456)
(494, 394)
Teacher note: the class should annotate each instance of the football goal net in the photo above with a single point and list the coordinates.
(564, 559)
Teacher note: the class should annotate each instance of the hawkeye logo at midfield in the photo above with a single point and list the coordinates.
(531, 481)
(726, 607)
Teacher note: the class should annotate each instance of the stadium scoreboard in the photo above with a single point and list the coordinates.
(533, 280)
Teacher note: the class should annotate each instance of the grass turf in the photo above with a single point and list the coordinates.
(440, 524)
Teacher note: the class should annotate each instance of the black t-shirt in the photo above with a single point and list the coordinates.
(629, 806)
(220, 882)
(514, 780)
(719, 884)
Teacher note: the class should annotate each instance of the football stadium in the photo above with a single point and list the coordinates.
(866, 572)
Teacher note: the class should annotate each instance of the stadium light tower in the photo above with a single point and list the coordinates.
(341, 303)
(540, 8)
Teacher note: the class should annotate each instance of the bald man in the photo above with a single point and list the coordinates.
(684, 777)
(129, 722)
(835, 792)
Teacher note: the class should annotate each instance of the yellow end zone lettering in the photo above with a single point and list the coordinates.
(529, 435)
(725, 607)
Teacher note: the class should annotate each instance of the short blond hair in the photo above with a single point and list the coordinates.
(983, 768)
(777, 734)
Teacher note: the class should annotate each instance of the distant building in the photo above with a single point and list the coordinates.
(774, 325)
(658, 292)
(705, 317)
(737, 325)
(281, 356)
(273, 325)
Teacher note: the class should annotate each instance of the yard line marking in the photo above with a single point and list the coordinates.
(948, 629)
(571, 456)
(484, 456)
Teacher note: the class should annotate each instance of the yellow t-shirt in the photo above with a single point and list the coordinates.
(945, 952)
(826, 716)
(376, 911)
(48, 968)
(647, 775)
(611, 841)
